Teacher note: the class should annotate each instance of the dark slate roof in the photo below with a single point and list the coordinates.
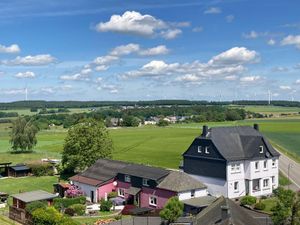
(149, 172)
(236, 143)
(101, 171)
(179, 182)
(19, 167)
(213, 214)
(32, 196)
(200, 201)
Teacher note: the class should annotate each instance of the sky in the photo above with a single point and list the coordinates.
(146, 50)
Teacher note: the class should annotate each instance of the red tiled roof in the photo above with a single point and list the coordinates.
(86, 180)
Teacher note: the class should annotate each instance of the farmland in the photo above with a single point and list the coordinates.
(153, 145)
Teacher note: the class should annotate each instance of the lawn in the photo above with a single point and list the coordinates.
(270, 203)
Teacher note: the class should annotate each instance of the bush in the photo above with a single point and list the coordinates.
(105, 206)
(60, 203)
(50, 216)
(112, 194)
(69, 211)
(41, 169)
(74, 192)
(162, 123)
(79, 209)
(248, 200)
(35, 205)
(260, 205)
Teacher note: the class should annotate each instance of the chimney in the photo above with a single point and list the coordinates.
(256, 126)
(225, 212)
(204, 130)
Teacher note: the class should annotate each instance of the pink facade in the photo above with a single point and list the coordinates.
(105, 189)
(161, 195)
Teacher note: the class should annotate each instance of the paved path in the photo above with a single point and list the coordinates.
(290, 168)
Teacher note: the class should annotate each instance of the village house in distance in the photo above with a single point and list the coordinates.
(233, 161)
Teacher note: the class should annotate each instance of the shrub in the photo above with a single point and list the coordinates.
(260, 205)
(162, 123)
(248, 200)
(73, 192)
(35, 205)
(78, 208)
(105, 206)
(112, 194)
(172, 210)
(50, 216)
(41, 169)
(69, 211)
(118, 217)
(60, 203)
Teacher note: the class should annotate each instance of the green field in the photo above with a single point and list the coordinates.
(154, 145)
(275, 110)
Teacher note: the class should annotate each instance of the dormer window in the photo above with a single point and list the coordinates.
(199, 149)
(261, 149)
(145, 182)
(206, 150)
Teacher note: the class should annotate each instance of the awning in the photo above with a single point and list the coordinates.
(133, 191)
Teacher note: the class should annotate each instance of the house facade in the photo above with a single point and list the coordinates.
(233, 161)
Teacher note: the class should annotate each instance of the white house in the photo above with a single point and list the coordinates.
(233, 161)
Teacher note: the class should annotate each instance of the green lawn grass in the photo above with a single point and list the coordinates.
(270, 203)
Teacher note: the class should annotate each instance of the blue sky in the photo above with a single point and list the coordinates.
(142, 50)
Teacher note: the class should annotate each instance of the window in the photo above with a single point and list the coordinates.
(273, 163)
(261, 149)
(192, 193)
(145, 182)
(236, 186)
(265, 164)
(232, 167)
(199, 149)
(273, 180)
(127, 178)
(236, 168)
(266, 183)
(153, 201)
(121, 192)
(206, 150)
(256, 165)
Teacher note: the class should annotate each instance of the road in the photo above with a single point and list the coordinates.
(292, 169)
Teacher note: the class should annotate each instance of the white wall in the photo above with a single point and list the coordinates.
(87, 190)
(236, 175)
(187, 194)
(215, 187)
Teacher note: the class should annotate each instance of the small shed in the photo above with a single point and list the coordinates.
(20, 200)
(4, 167)
(20, 170)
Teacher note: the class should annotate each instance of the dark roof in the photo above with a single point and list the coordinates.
(19, 167)
(32, 196)
(133, 191)
(100, 172)
(239, 142)
(200, 201)
(213, 214)
(179, 182)
(149, 172)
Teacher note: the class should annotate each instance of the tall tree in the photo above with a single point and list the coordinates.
(23, 135)
(85, 143)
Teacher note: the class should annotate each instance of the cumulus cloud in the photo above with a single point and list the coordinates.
(14, 48)
(27, 74)
(37, 60)
(12, 91)
(251, 35)
(285, 87)
(213, 10)
(250, 79)
(298, 81)
(134, 23)
(224, 66)
(229, 18)
(271, 42)
(158, 50)
(280, 69)
(109, 87)
(291, 40)
(124, 49)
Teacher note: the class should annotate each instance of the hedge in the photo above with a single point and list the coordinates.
(248, 200)
(41, 169)
(60, 203)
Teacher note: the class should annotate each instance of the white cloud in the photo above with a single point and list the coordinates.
(236, 55)
(37, 60)
(251, 35)
(101, 68)
(298, 81)
(283, 87)
(297, 66)
(170, 33)
(213, 10)
(158, 50)
(280, 69)
(134, 23)
(250, 79)
(125, 49)
(12, 91)
(109, 87)
(291, 40)
(271, 42)
(188, 78)
(76, 77)
(197, 29)
(14, 48)
(229, 18)
(27, 74)
(231, 77)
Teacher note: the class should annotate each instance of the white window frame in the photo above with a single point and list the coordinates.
(236, 168)
(206, 150)
(236, 184)
(127, 178)
(273, 180)
(266, 183)
(261, 149)
(266, 165)
(256, 163)
(151, 200)
(145, 182)
(199, 149)
(121, 192)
